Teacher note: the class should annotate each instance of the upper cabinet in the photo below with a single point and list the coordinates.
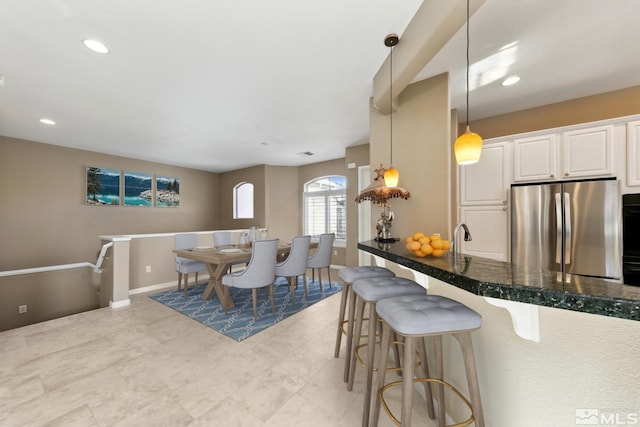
(486, 182)
(588, 152)
(583, 153)
(535, 158)
(633, 153)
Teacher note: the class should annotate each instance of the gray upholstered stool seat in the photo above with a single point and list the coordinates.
(348, 276)
(351, 274)
(371, 291)
(414, 318)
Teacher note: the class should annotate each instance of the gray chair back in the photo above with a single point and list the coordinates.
(296, 262)
(321, 258)
(222, 238)
(261, 270)
(186, 241)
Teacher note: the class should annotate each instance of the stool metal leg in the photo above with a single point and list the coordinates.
(464, 338)
(343, 306)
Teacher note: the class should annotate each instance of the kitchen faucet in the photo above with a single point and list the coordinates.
(467, 236)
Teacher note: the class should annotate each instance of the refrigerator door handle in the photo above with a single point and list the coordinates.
(558, 229)
(567, 228)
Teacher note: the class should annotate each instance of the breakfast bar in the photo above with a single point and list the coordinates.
(504, 281)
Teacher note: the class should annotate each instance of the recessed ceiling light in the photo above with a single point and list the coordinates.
(510, 81)
(95, 46)
(47, 121)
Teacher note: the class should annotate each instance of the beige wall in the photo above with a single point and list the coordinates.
(421, 152)
(255, 175)
(283, 202)
(620, 103)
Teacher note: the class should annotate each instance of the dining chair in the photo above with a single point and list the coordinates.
(260, 272)
(222, 238)
(295, 264)
(184, 266)
(321, 258)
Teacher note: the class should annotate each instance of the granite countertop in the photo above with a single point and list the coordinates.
(503, 280)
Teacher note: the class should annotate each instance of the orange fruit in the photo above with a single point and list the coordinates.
(418, 235)
(424, 240)
(435, 236)
(426, 249)
(419, 254)
(409, 239)
(438, 252)
(437, 244)
(413, 246)
(447, 245)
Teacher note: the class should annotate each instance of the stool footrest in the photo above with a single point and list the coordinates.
(396, 421)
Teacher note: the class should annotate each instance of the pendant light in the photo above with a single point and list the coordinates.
(391, 175)
(468, 146)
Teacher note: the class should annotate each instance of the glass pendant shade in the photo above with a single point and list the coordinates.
(467, 148)
(391, 177)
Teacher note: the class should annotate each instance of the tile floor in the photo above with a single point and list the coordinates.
(147, 365)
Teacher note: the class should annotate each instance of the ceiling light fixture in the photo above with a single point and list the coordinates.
(391, 175)
(95, 46)
(468, 146)
(510, 81)
(47, 121)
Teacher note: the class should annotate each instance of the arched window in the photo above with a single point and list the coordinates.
(243, 201)
(325, 209)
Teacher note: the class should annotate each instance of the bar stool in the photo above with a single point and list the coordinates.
(414, 318)
(371, 291)
(348, 276)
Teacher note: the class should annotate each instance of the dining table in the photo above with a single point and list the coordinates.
(219, 261)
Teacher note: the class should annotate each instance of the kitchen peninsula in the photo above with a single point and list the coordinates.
(505, 281)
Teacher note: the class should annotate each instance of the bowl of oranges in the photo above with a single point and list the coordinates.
(422, 245)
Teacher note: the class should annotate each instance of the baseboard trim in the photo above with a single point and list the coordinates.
(121, 303)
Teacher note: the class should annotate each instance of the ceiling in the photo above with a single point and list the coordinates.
(219, 86)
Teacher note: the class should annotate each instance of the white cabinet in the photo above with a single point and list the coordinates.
(572, 154)
(633, 153)
(486, 182)
(489, 228)
(535, 158)
(484, 189)
(588, 152)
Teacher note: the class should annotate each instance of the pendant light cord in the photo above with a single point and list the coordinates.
(467, 63)
(391, 104)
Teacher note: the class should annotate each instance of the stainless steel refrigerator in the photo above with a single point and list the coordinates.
(571, 227)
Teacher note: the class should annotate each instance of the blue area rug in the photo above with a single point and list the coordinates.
(238, 323)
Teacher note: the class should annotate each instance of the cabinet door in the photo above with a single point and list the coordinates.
(485, 182)
(534, 158)
(588, 152)
(489, 228)
(633, 153)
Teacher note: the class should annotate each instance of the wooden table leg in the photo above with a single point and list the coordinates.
(216, 287)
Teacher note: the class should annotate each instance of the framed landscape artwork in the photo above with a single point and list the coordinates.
(137, 189)
(103, 186)
(167, 191)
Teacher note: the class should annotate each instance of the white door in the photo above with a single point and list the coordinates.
(364, 214)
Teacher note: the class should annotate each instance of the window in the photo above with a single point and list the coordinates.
(325, 209)
(243, 200)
